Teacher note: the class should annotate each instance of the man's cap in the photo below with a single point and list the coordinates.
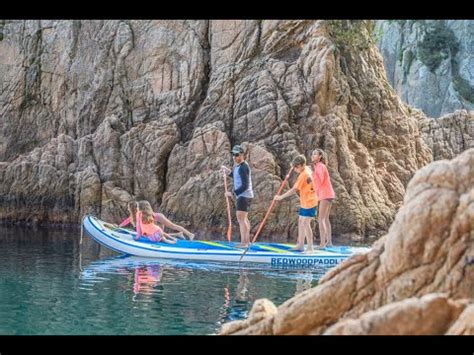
(237, 149)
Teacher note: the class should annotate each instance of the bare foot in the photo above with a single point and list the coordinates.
(242, 245)
(180, 236)
(298, 248)
(308, 251)
(191, 236)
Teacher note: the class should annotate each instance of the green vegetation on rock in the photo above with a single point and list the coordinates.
(409, 56)
(463, 87)
(353, 33)
(439, 43)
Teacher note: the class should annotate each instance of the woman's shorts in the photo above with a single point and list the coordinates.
(243, 203)
(308, 212)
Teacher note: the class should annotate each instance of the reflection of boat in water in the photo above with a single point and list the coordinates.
(146, 273)
(123, 264)
(277, 255)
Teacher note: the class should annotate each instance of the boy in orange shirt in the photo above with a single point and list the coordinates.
(308, 202)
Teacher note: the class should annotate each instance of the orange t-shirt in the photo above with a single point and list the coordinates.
(304, 184)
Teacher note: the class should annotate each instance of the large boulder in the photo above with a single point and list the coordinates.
(432, 314)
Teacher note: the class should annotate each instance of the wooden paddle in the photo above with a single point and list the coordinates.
(229, 228)
(268, 213)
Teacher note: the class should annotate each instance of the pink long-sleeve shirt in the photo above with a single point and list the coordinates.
(322, 182)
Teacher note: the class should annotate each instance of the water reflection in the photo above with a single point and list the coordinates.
(147, 278)
(49, 284)
(237, 303)
(304, 282)
(241, 293)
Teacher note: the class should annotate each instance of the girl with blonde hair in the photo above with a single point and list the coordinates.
(158, 217)
(145, 225)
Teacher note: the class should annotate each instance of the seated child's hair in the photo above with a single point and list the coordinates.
(132, 208)
(147, 212)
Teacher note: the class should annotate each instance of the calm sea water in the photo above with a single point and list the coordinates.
(50, 284)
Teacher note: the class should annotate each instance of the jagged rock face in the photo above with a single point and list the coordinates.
(428, 249)
(149, 109)
(429, 63)
(465, 323)
(449, 135)
(432, 314)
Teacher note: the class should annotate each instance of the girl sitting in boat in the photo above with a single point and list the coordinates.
(145, 226)
(158, 217)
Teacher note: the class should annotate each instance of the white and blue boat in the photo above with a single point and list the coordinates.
(274, 254)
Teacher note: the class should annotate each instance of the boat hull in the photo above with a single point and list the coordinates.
(275, 254)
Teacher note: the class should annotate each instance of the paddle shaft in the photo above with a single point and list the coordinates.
(268, 212)
(229, 228)
(271, 206)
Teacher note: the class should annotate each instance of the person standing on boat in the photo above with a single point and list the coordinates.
(325, 192)
(242, 176)
(308, 202)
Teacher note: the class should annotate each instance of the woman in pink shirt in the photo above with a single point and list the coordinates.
(159, 217)
(325, 194)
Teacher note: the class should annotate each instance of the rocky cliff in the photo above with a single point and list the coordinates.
(430, 63)
(95, 113)
(417, 279)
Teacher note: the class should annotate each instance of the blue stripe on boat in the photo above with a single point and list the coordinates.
(289, 255)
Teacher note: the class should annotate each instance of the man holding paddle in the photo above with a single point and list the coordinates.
(243, 191)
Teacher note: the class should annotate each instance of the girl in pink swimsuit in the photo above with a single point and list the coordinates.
(325, 193)
(158, 217)
(144, 219)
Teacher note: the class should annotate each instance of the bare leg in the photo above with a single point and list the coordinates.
(247, 222)
(324, 206)
(328, 226)
(168, 241)
(244, 228)
(322, 227)
(301, 234)
(177, 235)
(308, 233)
(167, 223)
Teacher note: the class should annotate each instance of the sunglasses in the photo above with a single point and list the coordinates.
(235, 154)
